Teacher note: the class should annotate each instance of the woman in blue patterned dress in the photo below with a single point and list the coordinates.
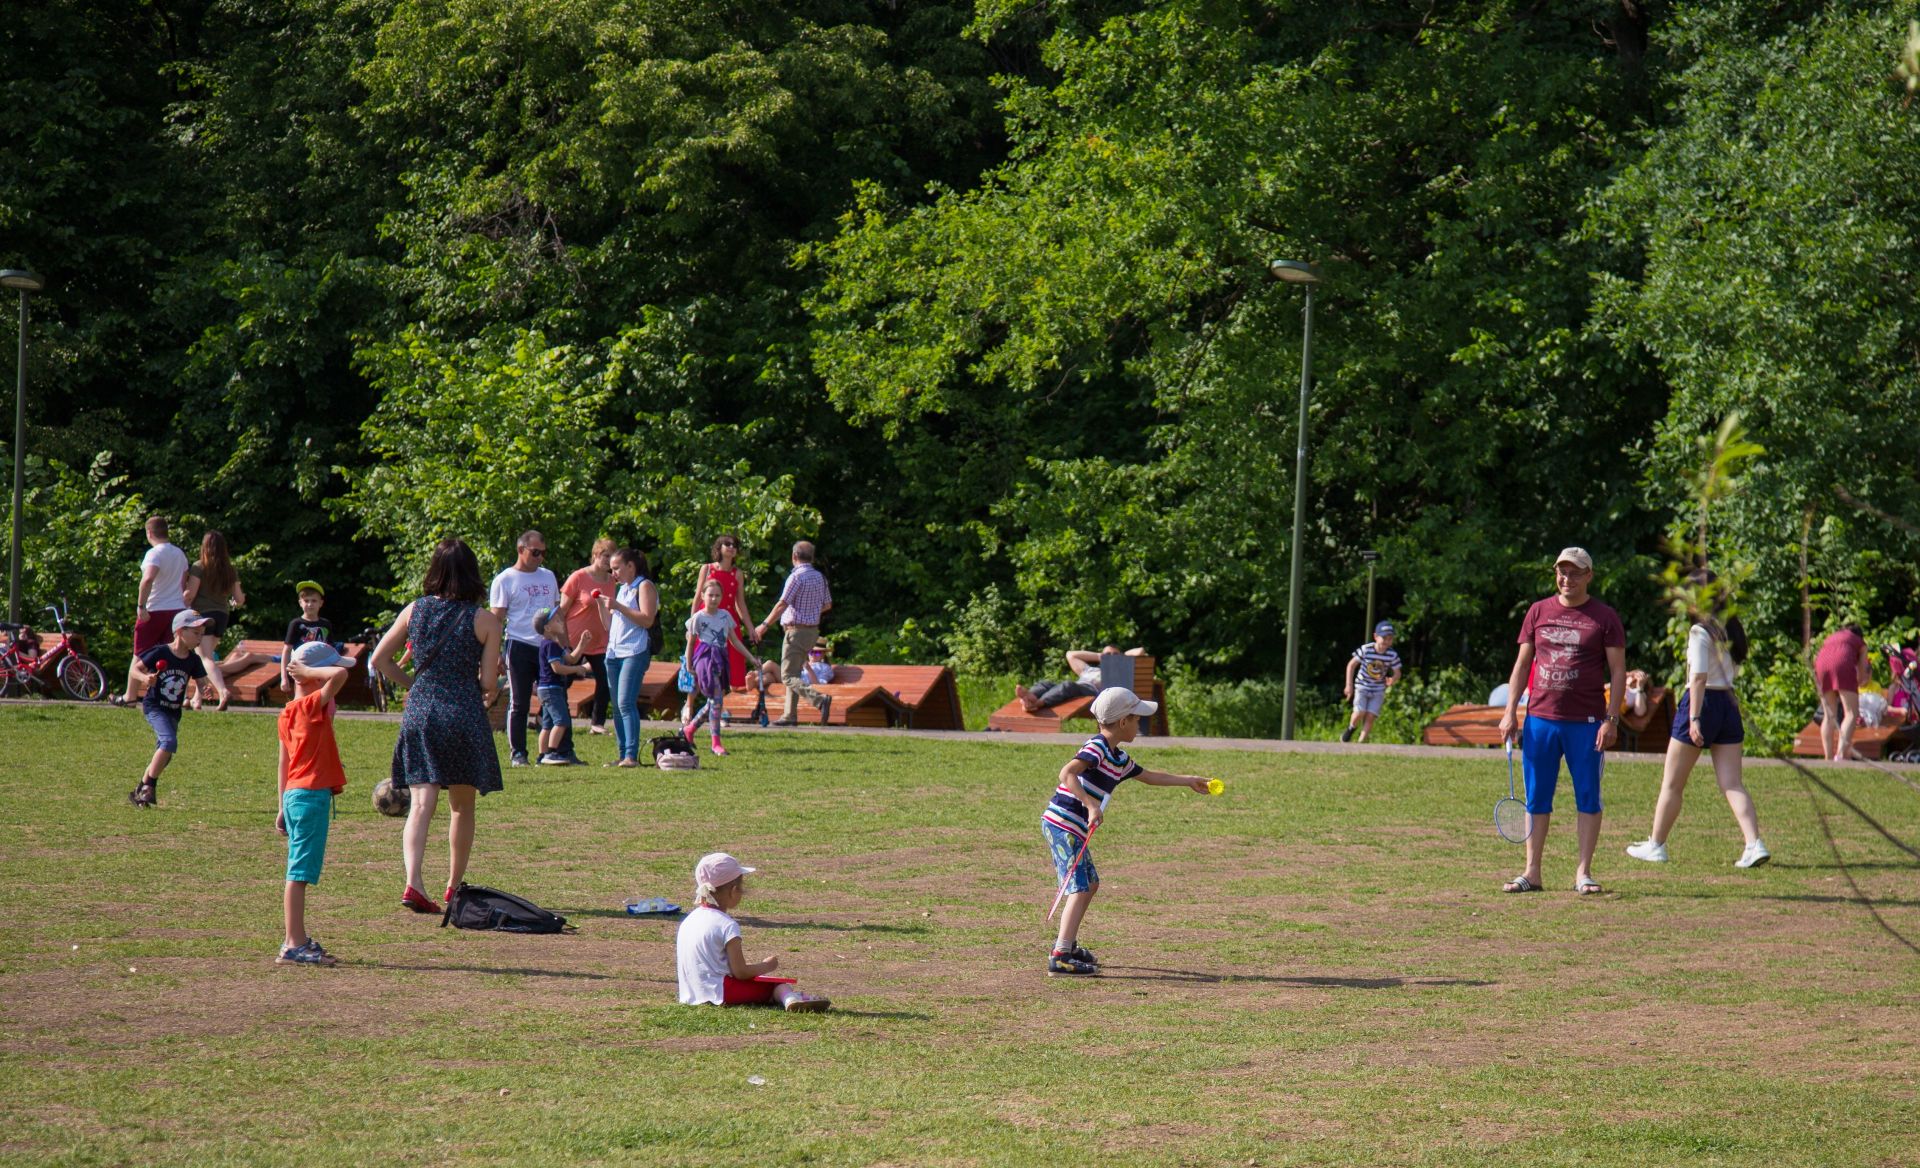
(445, 739)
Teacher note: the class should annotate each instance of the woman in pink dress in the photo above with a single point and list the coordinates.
(725, 569)
(1839, 671)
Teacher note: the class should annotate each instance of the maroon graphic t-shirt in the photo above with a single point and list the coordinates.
(1570, 657)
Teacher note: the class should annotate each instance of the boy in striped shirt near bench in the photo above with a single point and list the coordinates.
(1374, 667)
(1086, 783)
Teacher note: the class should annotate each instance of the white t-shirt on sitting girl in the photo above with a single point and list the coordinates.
(701, 950)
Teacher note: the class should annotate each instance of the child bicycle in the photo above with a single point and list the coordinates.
(24, 669)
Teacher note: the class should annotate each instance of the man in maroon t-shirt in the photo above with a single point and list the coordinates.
(1571, 648)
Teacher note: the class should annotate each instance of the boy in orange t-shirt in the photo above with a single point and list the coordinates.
(310, 777)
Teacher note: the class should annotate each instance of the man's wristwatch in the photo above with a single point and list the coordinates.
(1614, 718)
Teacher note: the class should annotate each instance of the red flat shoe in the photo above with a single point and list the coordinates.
(417, 901)
(449, 894)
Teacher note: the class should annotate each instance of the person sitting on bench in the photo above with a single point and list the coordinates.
(1085, 665)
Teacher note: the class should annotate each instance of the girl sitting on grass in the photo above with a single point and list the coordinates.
(713, 969)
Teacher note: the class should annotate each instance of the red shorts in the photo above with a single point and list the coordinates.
(758, 992)
(156, 628)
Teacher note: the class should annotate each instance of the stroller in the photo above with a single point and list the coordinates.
(1903, 667)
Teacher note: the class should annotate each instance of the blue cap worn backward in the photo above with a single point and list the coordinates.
(1383, 629)
(320, 655)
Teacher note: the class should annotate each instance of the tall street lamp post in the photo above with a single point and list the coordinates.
(1307, 276)
(22, 282)
(1371, 557)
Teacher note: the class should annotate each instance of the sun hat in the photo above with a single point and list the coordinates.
(320, 655)
(1116, 703)
(186, 618)
(717, 869)
(1577, 556)
(306, 584)
(1383, 629)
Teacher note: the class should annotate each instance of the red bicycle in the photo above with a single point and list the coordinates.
(24, 670)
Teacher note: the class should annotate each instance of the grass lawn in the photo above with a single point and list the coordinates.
(1315, 968)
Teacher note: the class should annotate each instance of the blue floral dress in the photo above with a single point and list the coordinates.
(444, 736)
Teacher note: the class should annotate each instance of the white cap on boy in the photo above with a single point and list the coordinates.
(1116, 703)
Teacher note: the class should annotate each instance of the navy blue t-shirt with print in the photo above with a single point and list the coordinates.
(172, 675)
(551, 651)
(1107, 767)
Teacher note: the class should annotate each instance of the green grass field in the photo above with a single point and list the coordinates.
(1315, 968)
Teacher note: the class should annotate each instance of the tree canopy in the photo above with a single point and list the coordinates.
(977, 296)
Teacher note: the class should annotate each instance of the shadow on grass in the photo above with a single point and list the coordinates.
(893, 1015)
(573, 974)
(1151, 973)
(621, 914)
(904, 930)
(1815, 898)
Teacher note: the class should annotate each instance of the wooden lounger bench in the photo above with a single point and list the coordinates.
(1870, 741)
(1475, 725)
(259, 683)
(1053, 719)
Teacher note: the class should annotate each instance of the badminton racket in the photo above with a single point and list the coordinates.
(1510, 816)
(1070, 870)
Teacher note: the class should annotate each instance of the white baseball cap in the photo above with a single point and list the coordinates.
(1116, 703)
(320, 655)
(186, 618)
(717, 869)
(1577, 556)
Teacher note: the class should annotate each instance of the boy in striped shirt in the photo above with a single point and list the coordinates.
(1086, 783)
(1374, 667)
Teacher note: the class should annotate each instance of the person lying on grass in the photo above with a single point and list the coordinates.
(714, 971)
(1087, 782)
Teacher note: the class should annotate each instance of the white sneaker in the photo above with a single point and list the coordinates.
(1756, 854)
(1648, 850)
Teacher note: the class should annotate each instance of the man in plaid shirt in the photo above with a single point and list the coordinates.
(802, 603)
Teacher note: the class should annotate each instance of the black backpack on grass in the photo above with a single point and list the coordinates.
(474, 907)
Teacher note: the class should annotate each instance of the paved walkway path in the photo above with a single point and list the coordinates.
(1254, 745)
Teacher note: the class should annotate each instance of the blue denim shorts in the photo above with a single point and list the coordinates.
(1064, 846)
(166, 728)
(553, 708)
(309, 814)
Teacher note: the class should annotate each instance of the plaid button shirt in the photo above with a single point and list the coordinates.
(805, 595)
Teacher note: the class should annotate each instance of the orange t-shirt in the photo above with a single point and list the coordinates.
(583, 612)
(313, 757)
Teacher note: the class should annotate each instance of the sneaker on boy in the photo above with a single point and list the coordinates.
(309, 954)
(1063, 961)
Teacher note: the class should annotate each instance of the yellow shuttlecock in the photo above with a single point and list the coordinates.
(1215, 786)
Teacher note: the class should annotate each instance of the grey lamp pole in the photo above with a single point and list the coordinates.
(1372, 558)
(23, 282)
(1307, 276)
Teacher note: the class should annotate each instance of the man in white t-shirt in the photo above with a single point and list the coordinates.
(163, 576)
(519, 592)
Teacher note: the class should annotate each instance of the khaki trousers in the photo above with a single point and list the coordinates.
(794, 647)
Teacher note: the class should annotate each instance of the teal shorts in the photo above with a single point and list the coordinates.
(309, 813)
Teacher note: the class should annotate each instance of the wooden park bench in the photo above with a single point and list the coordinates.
(916, 697)
(258, 684)
(1476, 725)
(1870, 741)
(1053, 719)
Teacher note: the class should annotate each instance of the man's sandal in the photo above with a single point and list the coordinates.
(1588, 887)
(1520, 884)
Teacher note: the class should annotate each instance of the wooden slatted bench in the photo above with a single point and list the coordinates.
(1474, 725)
(855, 703)
(1870, 741)
(259, 683)
(1053, 719)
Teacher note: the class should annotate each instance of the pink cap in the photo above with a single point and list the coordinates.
(717, 869)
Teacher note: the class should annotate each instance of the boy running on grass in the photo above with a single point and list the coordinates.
(310, 777)
(1374, 667)
(167, 670)
(1086, 783)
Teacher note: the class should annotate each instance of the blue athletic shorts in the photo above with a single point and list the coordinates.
(1064, 845)
(553, 708)
(1720, 722)
(309, 814)
(166, 728)
(1543, 743)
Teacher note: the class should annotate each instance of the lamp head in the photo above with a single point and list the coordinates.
(1294, 272)
(21, 280)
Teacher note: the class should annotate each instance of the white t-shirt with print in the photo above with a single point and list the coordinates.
(701, 949)
(522, 594)
(169, 582)
(710, 628)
